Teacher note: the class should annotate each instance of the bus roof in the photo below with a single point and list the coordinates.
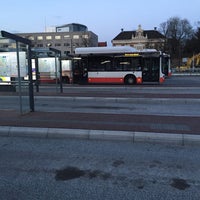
(104, 50)
(148, 51)
(110, 50)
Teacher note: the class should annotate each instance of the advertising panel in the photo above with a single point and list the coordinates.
(8, 64)
(48, 69)
(46, 65)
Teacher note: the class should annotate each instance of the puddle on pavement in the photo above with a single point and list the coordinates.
(180, 184)
(117, 163)
(69, 173)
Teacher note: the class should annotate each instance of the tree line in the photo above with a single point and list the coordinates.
(182, 39)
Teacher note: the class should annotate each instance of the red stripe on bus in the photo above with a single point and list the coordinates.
(47, 81)
(162, 79)
(169, 74)
(105, 80)
(139, 80)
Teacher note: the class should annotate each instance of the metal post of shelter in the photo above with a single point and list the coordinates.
(19, 78)
(58, 52)
(37, 76)
(56, 71)
(61, 85)
(31, 93)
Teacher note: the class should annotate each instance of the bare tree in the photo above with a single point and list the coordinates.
(177, 31)
(193, 45)
(163, 28)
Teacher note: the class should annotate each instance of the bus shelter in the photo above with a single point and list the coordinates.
(43, 62)
(15, 65)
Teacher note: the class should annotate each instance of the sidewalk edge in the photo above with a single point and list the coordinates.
(134, 137)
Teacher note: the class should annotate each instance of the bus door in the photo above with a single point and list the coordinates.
(80, 70)
(166, 66)
(151, 69)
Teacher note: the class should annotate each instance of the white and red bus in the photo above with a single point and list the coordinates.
(122, 64)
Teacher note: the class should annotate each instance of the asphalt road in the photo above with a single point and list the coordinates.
(82, 169)
(79, 169)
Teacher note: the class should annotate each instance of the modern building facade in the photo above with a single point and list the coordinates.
(65, 38)
(141, 39)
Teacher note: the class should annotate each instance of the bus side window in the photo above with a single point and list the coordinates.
(146, 64)
(127, 65)
(117, 64)
(106, 64)
(136, 64)
(155, 65)
(92, 64)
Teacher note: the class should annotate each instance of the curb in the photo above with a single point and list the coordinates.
(162, 101)
(59, 133)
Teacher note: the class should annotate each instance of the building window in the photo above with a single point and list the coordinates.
(75, 36)
(48, 37)
(63, 29)
(5, 46)
(39, 45)
(66, 52)
(57, 37)
(76, 44)
(31, 38)
(49, 44)
(66, 44)
(57, 44)
(85, 36)
(39, 37)
(66, 36)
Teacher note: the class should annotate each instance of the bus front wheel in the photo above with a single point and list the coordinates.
(130, 80)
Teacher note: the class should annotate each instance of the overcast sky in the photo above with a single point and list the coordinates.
(103, 17)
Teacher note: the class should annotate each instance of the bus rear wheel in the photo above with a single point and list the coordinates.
(130, 80)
